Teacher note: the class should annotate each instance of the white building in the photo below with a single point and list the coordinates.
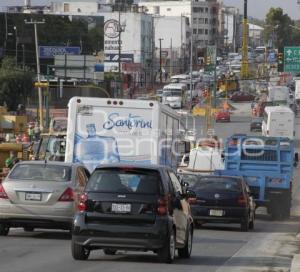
(136, 38)
(204, 16)
(174, 44)
(255, 35)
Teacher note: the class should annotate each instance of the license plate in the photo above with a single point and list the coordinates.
(216, 213)
(121, 208)
(33, 196)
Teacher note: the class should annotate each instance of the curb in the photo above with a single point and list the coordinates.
(295, 267)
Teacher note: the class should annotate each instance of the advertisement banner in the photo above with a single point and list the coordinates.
(49, 52)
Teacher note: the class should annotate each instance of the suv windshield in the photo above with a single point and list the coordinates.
(41, 172)
(115, 180)
(172, 93)
(208, 184)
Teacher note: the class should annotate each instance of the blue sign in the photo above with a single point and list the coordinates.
(115, 57)
(48, 52)
(272, 57)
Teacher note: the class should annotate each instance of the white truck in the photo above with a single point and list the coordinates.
(279, 121)
(278, 94)
(174, 95)
(110, 130)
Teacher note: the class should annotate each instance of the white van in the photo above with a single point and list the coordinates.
(279, 121)
(174, 95)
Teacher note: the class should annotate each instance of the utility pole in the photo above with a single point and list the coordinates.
(171, 59)
(245, 64)
(23, 58)
(160, 61)
(191, 70)
(38, 68)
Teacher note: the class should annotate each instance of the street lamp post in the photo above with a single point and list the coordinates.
(38, 68)
(160, 61)
(16, 34)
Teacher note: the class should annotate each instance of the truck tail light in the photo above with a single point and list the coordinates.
(192, 200)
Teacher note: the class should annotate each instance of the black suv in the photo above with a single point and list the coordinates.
(136, 208)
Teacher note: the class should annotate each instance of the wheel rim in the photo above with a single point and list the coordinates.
(190, 243)
(172, 246)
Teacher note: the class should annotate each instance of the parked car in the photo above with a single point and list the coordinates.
(256, 124)
(242, 97)
(38, 194)
(133, 208)
(222, 116)
(222, 199)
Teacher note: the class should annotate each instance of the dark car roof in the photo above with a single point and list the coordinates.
(136, 166)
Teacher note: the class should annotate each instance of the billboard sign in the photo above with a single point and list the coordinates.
(49, 52)
(115, 57)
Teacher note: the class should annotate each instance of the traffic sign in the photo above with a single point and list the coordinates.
(292, 59)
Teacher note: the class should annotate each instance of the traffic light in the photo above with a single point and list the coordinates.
(208, 60)
(41, 84)
(280, 62)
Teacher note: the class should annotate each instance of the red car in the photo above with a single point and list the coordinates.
(242, 97)
(222, 116)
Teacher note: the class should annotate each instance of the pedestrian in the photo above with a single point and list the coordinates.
(166, 76)
(30, 133)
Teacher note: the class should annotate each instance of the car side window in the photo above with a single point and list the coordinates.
(175, 182)
(81, 177)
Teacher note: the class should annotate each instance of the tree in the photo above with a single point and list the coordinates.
(277, 28)
(15, 84)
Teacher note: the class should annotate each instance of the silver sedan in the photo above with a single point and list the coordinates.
(38, 194)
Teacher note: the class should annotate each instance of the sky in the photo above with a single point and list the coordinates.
(256, 8)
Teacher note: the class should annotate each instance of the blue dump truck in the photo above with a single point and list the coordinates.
(267, 165)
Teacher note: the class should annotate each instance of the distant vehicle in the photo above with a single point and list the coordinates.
(222, 199)
(256, 124)
(143, 209)
(174, 95)
(179, 78)
(38, 194)
(242, 97)
(278, 121)
(278, 94)
(222, 116)
(260, 50)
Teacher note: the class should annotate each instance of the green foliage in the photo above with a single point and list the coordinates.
(15, 84)
(278, 28)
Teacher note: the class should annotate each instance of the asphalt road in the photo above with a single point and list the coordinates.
(221, 248)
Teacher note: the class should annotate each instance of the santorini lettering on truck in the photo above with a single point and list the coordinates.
(132, 121)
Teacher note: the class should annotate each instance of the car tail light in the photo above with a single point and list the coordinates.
(242, 200)
(162, 208)
(3, 194)
(67, 196)
(192, 200)
(82, 202)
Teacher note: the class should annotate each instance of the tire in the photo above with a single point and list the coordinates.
(109, 251)
(251, 223)
(186, 251)
(4, 229)
(79, 252)
(28, 229)
(245, 224)
(166, 254)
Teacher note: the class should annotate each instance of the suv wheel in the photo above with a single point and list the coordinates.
(245, 223)
(186, 251)
(109, 251)
(167, 253)
(4, 229)
(79, 252)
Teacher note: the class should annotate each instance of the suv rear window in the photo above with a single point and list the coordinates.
(115, 180)
(41, 172)
(217, 184)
